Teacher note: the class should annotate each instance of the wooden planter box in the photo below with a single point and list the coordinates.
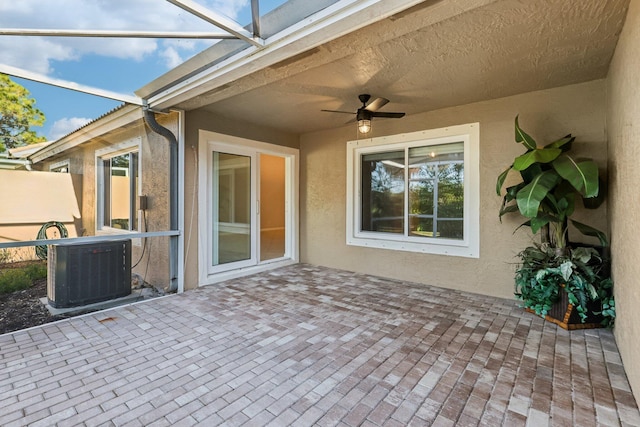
(564, 315)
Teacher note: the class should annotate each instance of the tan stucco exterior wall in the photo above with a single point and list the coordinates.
(202, 120)
(546, 115)
(32, 199)
(623, 128)
(153, 265)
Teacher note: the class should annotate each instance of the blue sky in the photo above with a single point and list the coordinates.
(120, 65)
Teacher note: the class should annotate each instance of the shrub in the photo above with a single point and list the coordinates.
(13, 280)
(582, 273)
(36, 271)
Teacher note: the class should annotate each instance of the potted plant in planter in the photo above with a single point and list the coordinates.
(567, 284)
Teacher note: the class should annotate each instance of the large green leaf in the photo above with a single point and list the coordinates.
(595, 202)
(568, 205)
(524, 224)
(531, 195)
(532, 171)
(522, 136)
(562, 206)
(539, 155)
(564, 143)
(590, 231)
(512, 192)
(507, 209)
(509, 196)
(538, 222)
(583, 175)
(501, 179)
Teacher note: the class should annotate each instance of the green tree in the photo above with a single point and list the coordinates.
(18, 114)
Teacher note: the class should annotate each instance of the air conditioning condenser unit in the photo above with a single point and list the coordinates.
(86, 273)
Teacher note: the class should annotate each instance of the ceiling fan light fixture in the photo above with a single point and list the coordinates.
(368, 111)
(364, 126)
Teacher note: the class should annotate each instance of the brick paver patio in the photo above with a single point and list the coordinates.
(313, 346)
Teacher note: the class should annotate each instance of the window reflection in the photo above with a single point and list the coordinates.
(383, 192)
(432, 183)
(120, 191)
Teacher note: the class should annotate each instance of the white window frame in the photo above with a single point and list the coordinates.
(252, 228)
(130, 146)
(469, 246)
(59, 165)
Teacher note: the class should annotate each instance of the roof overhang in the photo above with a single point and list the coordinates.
(13, 163)
(328, 24)
(112, 121)
(423, 55)
(430, 56)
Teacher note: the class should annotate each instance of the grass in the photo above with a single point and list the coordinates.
(19, 276)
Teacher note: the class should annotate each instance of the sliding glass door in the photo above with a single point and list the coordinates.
(247, 208)
(232, 222)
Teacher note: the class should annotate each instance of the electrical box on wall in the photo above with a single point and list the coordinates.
(80, 274)
(143, 203)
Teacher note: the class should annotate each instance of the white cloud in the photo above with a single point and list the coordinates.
(228, 8)
(65, 126)
(171, 56)
(36, 53)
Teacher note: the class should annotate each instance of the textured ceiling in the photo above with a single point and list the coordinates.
(433, 56)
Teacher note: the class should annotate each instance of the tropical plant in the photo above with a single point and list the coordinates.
(582, 273)
(551, 181)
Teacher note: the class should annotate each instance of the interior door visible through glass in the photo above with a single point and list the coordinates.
(272, 207)
(231, 208)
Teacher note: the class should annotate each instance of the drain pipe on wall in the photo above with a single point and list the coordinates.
(150, 120)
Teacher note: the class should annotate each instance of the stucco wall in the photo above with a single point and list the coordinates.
(546, 115)
(33, 199)
(153, 260)
(623, 131)
(202, 120)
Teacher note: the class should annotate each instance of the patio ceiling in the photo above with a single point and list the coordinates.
(422, 55)
(434, 55)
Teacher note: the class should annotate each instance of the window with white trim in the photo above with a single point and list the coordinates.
(415, 192)
(118, 187)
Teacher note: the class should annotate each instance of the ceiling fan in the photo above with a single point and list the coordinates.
(365, 113)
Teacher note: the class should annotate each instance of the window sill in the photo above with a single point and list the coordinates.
(436, 247)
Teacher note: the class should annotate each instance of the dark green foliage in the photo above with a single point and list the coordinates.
(581, 272)
(18, 114)
(36, 271)
(13, 280)
(17, 279)
(552, 180)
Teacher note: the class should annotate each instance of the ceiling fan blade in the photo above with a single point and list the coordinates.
(388, 115)
(376, 104)
(337, 111)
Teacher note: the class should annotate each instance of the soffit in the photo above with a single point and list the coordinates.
(438, 54)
